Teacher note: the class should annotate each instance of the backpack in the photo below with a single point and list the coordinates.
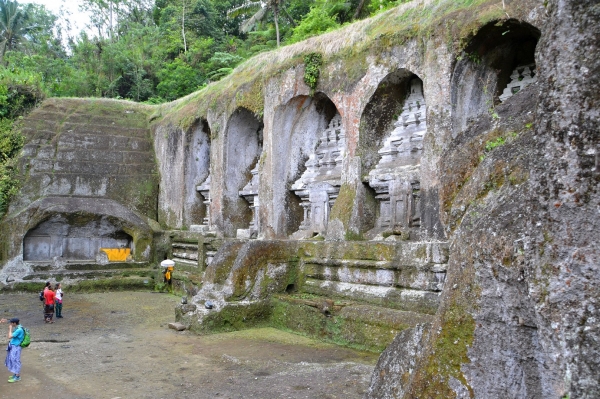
(26, 337)
(41, 295)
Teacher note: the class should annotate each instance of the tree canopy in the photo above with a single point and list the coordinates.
(158, 50)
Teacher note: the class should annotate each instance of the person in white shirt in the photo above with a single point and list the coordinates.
(58, 300)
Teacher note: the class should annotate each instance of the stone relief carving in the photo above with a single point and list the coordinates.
(204, 190)
(520, 78)
(250, 194)
(319, 185)
(58, 239)
(396, 179)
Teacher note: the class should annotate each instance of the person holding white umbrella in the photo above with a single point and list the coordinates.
(168, 266)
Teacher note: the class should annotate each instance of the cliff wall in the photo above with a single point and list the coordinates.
(498, 102)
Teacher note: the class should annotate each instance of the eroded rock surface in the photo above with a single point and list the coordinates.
(307, 209)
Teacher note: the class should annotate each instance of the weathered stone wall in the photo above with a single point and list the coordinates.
(85, 148)
(562, 257)
(511, 185)
(88, 176)
(519, 297)
(183, 158)
(353, 293)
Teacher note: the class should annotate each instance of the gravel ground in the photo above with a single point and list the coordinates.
(118, 346)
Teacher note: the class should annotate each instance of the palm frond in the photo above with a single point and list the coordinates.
(246, 8)
(248, 24)
(339, 7)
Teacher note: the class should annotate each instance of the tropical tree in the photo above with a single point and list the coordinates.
(14, 26)
(317, 21)
(111, 18)
(260, 10)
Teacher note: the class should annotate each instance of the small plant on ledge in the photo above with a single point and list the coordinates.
(312, 69)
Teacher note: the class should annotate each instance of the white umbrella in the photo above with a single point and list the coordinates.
(167, 263)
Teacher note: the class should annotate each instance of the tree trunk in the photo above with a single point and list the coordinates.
(2, 53)
(289, 17)
(276, 15)
(358, 9)
(183, 28)
(110, 21)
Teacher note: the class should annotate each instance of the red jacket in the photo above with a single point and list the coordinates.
(49, 297)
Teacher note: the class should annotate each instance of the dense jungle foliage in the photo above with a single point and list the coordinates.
(158, 50)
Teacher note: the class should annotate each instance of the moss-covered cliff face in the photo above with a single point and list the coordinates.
(422, 38)
(519, 197)
(501, 258)
(561, 258)
(88, 180)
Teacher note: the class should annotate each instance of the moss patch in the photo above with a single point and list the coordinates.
(312, 70)
(363, 328)
(112, 284)
(235, 317)
(344, 204)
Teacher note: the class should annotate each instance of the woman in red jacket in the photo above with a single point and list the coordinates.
(49, 298)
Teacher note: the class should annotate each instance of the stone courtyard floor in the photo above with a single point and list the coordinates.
(117, 345)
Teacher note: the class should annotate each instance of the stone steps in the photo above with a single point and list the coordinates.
(427, 279)
(344, 322)
(86, 274)
(386, 297)
(89, 266)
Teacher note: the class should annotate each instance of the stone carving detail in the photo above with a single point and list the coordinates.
(58, 240)
(250, 194)
(319, 185)
(521, 77)
(396, 179)
(204, 190)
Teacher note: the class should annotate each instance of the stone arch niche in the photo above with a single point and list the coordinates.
(392, 129)
(298, 126)
(76, 237)
(243, 146)
(318, 142)
(497, 63)
(197, 171)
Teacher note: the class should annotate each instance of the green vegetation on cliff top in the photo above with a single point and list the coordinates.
(453, 21)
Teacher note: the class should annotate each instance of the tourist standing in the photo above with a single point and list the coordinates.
(43, 298)
(13, 351)
(49, 298)
(58, 293)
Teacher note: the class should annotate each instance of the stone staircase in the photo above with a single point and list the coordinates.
(87, 270)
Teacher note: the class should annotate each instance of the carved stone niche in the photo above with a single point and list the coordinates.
(250, 194)
(204, 190)
(319, 185)
(520, 78)
(77, 237)
(396, 178)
